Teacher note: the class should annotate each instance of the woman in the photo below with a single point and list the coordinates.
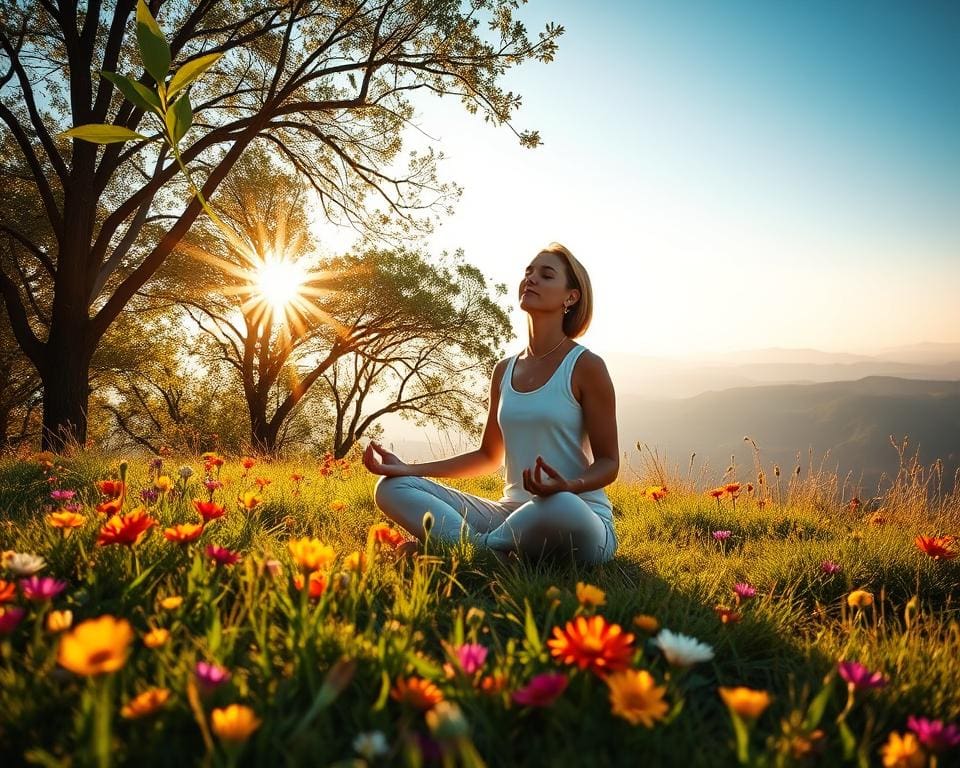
(551, 420)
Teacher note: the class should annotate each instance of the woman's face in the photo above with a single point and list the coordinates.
(544, 284)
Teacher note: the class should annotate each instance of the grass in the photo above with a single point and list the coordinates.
(317, 673)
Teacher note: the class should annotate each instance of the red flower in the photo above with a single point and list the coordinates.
(111, 489)
(7, 591)
(126, 529)
(938, 547)
(111, 507)
(208, 510)
(222, 555)
(384, 534)
(542, 690)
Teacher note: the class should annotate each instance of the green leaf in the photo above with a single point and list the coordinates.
(182, 116)
(136, 93)
(847, 739)
(191, 71)
(98, 133)
(530, 630)
(153, 46)
(818, 705)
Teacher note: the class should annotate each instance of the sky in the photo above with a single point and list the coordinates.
(733, 175)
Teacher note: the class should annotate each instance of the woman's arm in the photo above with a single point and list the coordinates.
(598, 401)
(486, 459)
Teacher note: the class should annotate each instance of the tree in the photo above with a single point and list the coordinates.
(326, 82)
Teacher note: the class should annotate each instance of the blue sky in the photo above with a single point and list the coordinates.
(733, 174)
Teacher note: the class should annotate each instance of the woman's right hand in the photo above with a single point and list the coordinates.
(389, 464)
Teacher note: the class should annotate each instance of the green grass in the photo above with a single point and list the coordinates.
(398, 618)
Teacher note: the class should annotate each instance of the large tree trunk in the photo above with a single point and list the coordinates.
(66, 392)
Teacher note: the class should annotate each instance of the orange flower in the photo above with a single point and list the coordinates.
(111, 507)
(716, 492)
(208, 510)
(145, 704)
(591, 643)
(262, 482)
(727, 615)
(64, 518)
(938, 547)
(384, 534)
(493, 683)
(646, 623)
(248, 462)
(417, 692)
(318, 584)
(111, 489)
(732, 488)
(234, 723)
(156, 637)
(746, 702)
(183, 533)
(337, 505)
(249, 501)
(590, 596)
(8, 591)
(126, 529)
(96, 646)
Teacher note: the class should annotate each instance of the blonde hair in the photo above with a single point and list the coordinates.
(577, 320)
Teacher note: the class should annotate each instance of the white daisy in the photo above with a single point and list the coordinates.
(371, 745)
(23, 563)
(681, 650)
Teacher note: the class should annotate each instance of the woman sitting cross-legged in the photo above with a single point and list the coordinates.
(551, 421)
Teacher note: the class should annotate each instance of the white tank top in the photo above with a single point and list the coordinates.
(546, 422)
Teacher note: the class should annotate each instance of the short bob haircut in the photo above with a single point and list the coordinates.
(577, 320)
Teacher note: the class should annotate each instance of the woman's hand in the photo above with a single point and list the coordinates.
(389, 464)
(535, 483)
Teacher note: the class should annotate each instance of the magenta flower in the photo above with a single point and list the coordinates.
(542, 690)
(10, 617)
(744, 591)
(859, 677)
(933, 734)
(212, 485)
(471, 657)
(222, 555)
(62, 495)
(721, 535)
(829, 567)
(39, 588)
(149, 495)
(211, 676)
(75, 506)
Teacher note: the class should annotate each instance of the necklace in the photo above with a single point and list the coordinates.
(540, 357)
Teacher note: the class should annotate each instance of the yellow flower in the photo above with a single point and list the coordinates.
(859, 598)
(590, 596)
(234, 723)
(646, 623)
(745, 702)
(156, 637)
(96, 646)
(145, 704)
(57, 621)
(163, 484)
(903, 751)
(337, 506)
(311, 554)
(249, 501)
(171, 603)
(65, 519)
(636, 698)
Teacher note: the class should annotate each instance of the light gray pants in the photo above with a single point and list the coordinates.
(562, 523)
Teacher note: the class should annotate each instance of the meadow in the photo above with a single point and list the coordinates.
(241, 611)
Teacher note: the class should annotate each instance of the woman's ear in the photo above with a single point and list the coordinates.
(575, 296)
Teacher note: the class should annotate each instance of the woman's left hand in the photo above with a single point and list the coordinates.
(535, 483)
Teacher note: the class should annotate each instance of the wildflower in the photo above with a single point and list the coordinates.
(96, 646)
(183, 533)
(310, 554)
(744, 591)
(149, 495)
(210, 676)
(58, 621)
(126, 529)
(471, 657)
(542, 690)
(222, 555)
(646, 623)
(877, 518)
(23, 563)
(337, 506)
(655, 492)
(475, 617)
(38, 588)
(110, 489)
(355, 561)
(62, 495)
(296, 477)
(746, 702)
(110, 507)
(681, 650)
(858, 677)
(212, 485)
(903, 751)
(417, 692)
(371, 745)
(163, 484)
(185, 472)
(65, 519)
(318, 584)
(859, 598)
(156, 637)
(591, 643)
(636, 698)
(249, 501)
(721, 535)
(717, 492)
(146, 703)
(854, 504)
(262, 482)
(247, 462)
(273, 568)
(235, 723)
(732, 489)
(590, 596)
(208, 510)
(933, 734)
(7, 591)
(171, 603)
(493, 684)
(10, 617)
(829, 567)
(727, 615)
(937, 547)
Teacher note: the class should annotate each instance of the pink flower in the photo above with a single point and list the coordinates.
(62, 495)
(211, 676)
(744, 591)
(10, 617)
(933, 734)
(859, 677)
(39, 588)
(222, 555)
(471, 657)
(542, 690)
(721, 535)
(829, 567)
(212, 485)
